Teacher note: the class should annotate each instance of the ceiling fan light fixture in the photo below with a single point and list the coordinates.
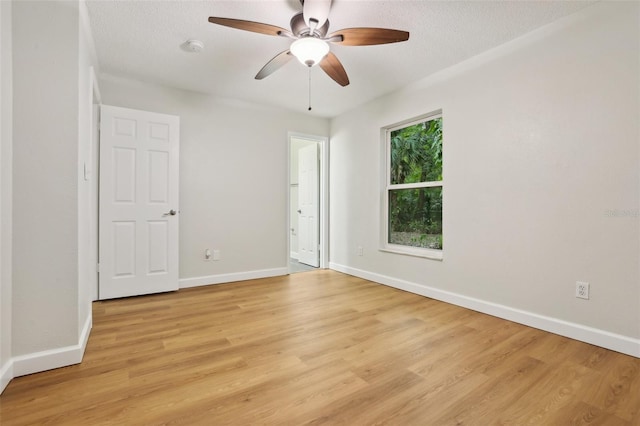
(309, 50)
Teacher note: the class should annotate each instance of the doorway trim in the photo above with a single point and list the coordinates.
(323, 221)
(95, 100)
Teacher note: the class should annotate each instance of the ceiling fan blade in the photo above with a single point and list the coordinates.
(334, 69)
(368, 36)
(317, 10)
(256, 27)
(274, 64)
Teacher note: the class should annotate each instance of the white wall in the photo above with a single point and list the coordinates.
(51, 300)
(541, 140)
(233, 178)
(6, 370)
(45, 211)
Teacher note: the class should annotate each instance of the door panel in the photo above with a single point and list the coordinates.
(158, 176)
(124, 173)
(158, 241)
(124, 244)
(138, 190)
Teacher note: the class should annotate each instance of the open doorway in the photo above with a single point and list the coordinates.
(307, 202)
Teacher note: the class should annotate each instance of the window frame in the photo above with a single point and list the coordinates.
(387, 186)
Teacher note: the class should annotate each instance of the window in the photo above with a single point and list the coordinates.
(412, 209)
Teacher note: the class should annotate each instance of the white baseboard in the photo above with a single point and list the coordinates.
(294, 255)
(605, 339)
(53, 358)
(233, 277)
(6, 374)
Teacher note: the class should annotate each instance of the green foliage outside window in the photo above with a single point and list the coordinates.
(415, 214)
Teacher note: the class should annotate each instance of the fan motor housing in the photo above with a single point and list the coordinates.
(300, 28)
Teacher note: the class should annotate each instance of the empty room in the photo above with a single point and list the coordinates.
(339, 212)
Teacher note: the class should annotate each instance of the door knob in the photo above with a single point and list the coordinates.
(299, 211)
(171, 213)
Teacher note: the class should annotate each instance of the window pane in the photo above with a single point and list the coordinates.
(415, 217)
(416, 153)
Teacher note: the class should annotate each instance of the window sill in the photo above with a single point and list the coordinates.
(413, 251)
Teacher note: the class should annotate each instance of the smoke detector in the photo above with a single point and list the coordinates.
(193, 46)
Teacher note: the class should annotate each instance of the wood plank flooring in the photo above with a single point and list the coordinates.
(322, 348)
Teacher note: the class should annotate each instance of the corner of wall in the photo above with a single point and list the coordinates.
(53, 358)
(6, 137)
(48, 328)
(6, 374)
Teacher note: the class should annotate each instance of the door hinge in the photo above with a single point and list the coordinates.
(97, 267)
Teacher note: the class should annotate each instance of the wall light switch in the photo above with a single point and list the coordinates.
(87, 172)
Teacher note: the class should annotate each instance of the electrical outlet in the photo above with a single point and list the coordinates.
(360, 251)
(582, 290)
(216, 255)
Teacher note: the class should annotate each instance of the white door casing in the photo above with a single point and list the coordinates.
(138, 226)
(308, 206)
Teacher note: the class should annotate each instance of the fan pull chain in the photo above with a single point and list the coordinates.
(309, 88)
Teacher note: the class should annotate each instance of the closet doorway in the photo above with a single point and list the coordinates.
(307, 202)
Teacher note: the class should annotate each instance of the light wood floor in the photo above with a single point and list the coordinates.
(322, 348)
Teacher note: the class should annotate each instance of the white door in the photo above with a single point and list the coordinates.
(308, 211)
(138, 202)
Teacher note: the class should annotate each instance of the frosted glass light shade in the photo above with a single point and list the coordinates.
(309, 50)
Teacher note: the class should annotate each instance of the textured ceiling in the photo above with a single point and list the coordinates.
(141, 40)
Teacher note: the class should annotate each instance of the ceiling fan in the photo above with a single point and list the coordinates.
(311, 42)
